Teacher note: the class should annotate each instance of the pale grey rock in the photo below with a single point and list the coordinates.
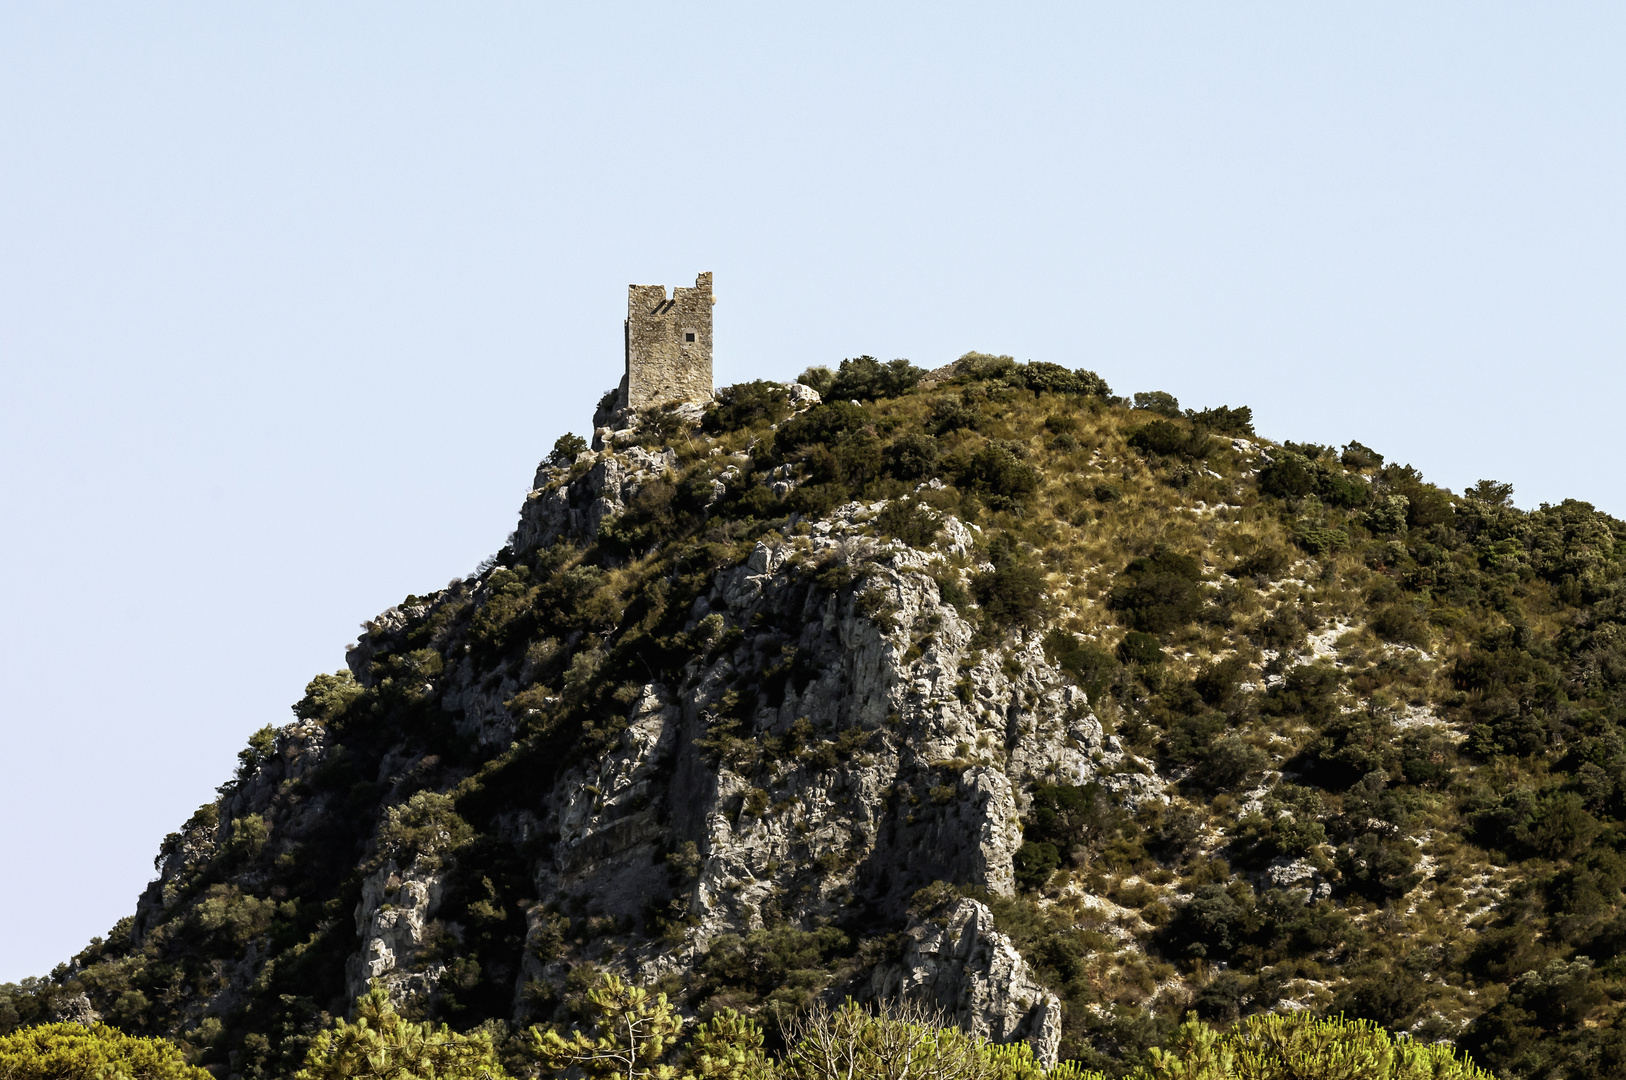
(803, 396)
(75, 1009)
(392, 920)
(959, 963)
(562, 506)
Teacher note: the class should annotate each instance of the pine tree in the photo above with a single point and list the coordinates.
(634, 1033)
(383, 1045)
(93, 1052)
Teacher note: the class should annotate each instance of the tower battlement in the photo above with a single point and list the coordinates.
(668, 343)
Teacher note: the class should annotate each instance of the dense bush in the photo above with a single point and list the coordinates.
(1046, 378)
(1090, 664)
(1139, 648)
(1166, 439)
(1379, 867)
(744, 404)
(821, 425)
(866, 378)
(912, 522)
(913, 456)
(1213, 924)
(1224, 419)
(782, 965)
(1159, 592)
(1069, 824)
(383, 1045)
(1360, 457)
(90, 1052)
(1012, 593)
(1158, 401)
(566, 447)
(999, 476)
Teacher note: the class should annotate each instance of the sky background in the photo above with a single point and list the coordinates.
(294, 297)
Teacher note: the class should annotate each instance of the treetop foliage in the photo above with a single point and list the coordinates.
(93, 1052)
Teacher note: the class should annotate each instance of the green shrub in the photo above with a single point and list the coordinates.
(821, 425)
(1217, 683)
(1359, 457)
(1266, 561)
(1076, 824)
(658, 427)
(1189, 737)
(1562, 995)
(93, 1052)
(1379, 867)
(913, 456)
(566, 447)
(914, 523)
(976, 366)
(744, 404)
(1290, 476)
(1157, 593)
(951, 414)
(1035, 863)
(1012, 593)
(1140, 648)
(1213, 924)
(1046, 378)
(1426, 504)
(1224, 419)
(1401, 623)
(383, 1045)
(231, 917)
(328, 696)
(819, 378)
(1318, 539)
(1230, 763)
(1159, 402)
(764, 961)
(261, 745)
(1165, 439)
(866, 378)
(425, 825)
(1002, 479)
(1090, 664)
(1388, 515)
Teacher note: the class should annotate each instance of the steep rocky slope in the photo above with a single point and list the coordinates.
(986, 688)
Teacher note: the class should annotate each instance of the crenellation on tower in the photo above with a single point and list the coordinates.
(668, 344)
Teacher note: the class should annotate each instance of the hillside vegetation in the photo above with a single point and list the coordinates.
(1364, 740)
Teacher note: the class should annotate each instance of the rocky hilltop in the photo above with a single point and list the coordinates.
(1063, 712)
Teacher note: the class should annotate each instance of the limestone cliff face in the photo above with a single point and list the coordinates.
(885, 751)
(917, 751)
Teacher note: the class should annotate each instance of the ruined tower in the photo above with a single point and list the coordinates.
(668, 344)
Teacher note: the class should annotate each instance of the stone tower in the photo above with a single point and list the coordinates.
(668, 345)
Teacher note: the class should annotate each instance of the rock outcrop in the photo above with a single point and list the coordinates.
(836, 736)
(957, 962)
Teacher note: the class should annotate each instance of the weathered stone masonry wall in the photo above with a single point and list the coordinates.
(668, 344)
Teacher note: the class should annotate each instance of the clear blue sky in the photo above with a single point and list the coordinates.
(293, 297)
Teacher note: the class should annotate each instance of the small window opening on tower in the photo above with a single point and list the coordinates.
(688, 335)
